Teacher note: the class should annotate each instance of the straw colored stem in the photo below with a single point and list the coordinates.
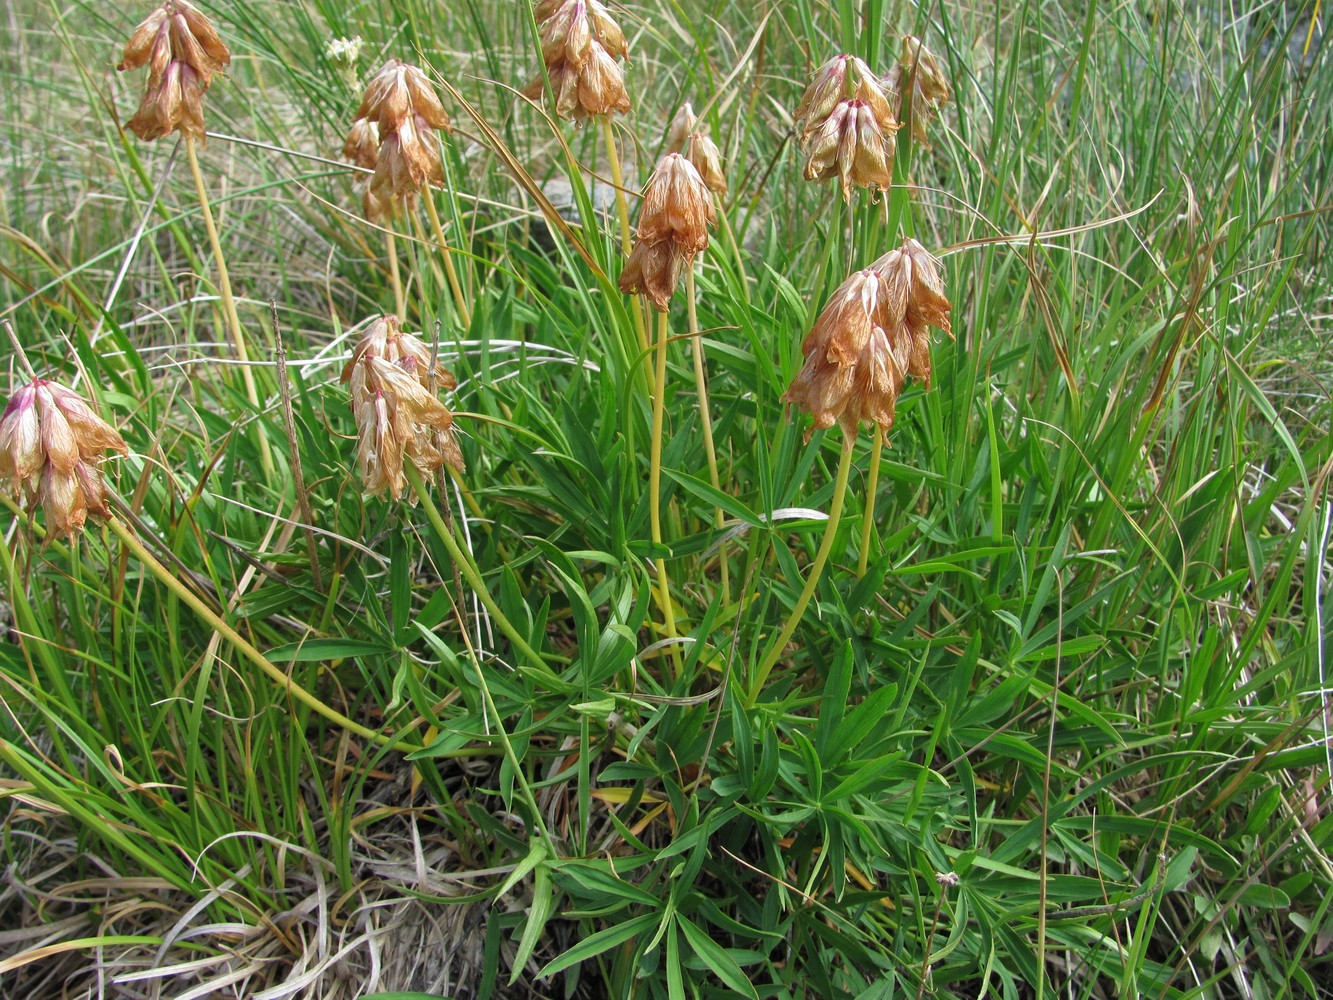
(872, 490)
(655, 478)
(206, 614)
(460, 300)
(816, 570)
(233, 319)
(622, 210)
(399, 304)
(706, 419)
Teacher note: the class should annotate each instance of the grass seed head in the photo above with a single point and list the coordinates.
(51, 450)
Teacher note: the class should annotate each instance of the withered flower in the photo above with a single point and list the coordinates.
(840, 79)
(393, 134)
(673, 227)
(681, 128)
(676, 205)
(685, 136)
(870, 338)
(51, 445)
(918, 71)
(854, 146)
(183, 52)
(397, 416)
(654, 270)
(581, 43)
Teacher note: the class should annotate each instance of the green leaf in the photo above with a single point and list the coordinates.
(603, 940)
(716, 958)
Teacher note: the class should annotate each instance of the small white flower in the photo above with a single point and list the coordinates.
(344, 50)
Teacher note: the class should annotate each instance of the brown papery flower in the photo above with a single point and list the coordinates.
(871, 337)
(183, 52)
(394, 134)
(918, 71)
(581, 43)
(654, 270)
(854, 146)
(676, 205)
(840, 79)
(397, 416)
(51, 451)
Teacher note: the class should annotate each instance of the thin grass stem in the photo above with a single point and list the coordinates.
(233, 319)
(868, 515)
(399, 304)
(706, 419)
(812, 578)
(460, 300)
(626, 241)
(655, 483)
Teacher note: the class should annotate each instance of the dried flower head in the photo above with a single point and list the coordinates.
(871, 337)
(919, 71)
(854, 146)
(681, 128)
(581, 43)
(676, 205)
(183, 52)
(397, 416)
(841, 78)
(51, 450)
(393, 134)
(654, 270)
(706, 158)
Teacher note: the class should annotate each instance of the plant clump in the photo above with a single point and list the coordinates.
(183, 52)
(51, 453)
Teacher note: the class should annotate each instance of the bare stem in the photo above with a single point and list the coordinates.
(655, 481)
(192, 600)
(391, 248)
(872, 488)
(626, 243)
(706, 419)
(229, 303)
(460, 300)
(816, 570)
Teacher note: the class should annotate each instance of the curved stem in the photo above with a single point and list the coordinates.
(816, 570)
(706, 419)
(228, 303)
(471, 574)
(655, 479)
(206, 614)
(868, 516)
(460, 300)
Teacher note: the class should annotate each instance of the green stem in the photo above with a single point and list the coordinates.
(655, 479)
(816, 570)
(868, 516)
(399, 304)
(206, 614)
(473, 576)
(622, 209)
(706, 419)
(229, 303)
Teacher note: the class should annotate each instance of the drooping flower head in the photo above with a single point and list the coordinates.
(842, 78)
(673, 226)
(397, 415)
(687, 136)
(846, 124)
(394, 134)
(581, 43)
(870, 338)
(183, 52)
(51, 452)
(918, 72)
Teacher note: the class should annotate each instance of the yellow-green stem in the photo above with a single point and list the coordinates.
(735, 249)
(706, 419)
(473, 576)
(872, 488)
(816, 570)
(460, 300)
(655, 478)
(233, 319)
(622, 209)
(211, 619)
(399, 304)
